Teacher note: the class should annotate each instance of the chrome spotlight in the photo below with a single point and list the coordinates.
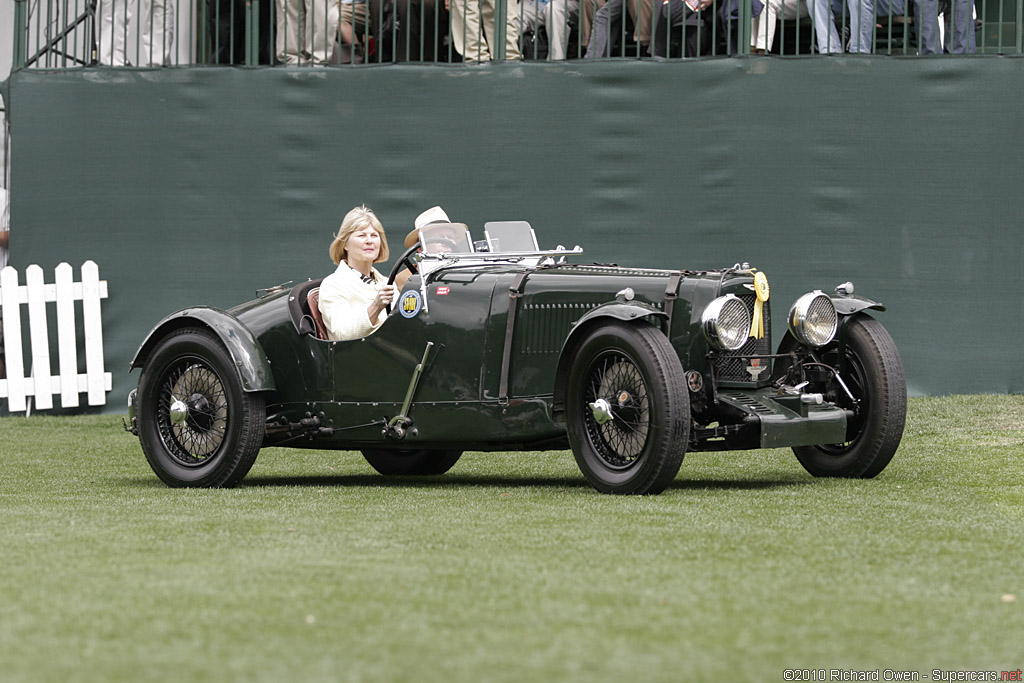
(813, 319)
(726, 322)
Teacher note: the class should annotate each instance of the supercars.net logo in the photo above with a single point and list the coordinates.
(411, 304)
(896, 675)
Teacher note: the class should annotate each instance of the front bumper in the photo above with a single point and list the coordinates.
(769, 420)
(132, 424)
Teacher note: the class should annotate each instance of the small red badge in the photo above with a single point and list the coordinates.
(443, 291)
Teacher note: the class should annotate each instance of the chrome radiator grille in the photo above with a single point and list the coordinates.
(731, 366)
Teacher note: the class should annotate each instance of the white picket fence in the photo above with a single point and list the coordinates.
(40, 384)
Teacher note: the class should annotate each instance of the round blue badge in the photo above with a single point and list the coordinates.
(411, 304)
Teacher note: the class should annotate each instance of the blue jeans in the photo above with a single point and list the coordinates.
(863, 15)
(862, 25)
(960, 38)
(823, 17)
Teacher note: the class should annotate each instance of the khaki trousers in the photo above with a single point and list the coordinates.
(473, 29)
(642, 34)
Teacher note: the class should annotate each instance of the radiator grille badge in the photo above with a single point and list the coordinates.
(755, 368)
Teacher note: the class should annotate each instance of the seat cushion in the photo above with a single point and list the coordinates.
(313, 298)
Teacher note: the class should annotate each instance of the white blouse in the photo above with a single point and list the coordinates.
(344, 298)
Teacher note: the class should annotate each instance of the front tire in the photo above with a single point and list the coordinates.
(197, 427)
(634, 440)
(411, 462)
(873, 371)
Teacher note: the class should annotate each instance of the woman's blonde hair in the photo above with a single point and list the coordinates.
(355, 220)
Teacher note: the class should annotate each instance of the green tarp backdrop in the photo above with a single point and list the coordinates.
(198, 186)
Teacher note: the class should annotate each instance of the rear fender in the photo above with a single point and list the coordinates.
(250, 360)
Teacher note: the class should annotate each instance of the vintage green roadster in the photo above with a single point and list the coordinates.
(497, 345)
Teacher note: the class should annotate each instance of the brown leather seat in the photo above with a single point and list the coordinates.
(313, 299)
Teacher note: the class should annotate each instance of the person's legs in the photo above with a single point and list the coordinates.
(642, 12)
(960, 34)
(420, 21)
(927, 23)
(762, 28)
(588, 14)
(466, 30)
(487, 26)
(488, 15)
(352, 30)
(431, 27)
(219, 15)
(157, 33)
(862, 25)
(288, 46)
(607, 24)
(825, 32)
(321, 29)
(511, 32)
(114, 17)
(349, 31)
(667, 18)
(558, 15)
(147, 27)
(529, 17)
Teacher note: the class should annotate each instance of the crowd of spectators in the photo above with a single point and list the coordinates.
(321, 32)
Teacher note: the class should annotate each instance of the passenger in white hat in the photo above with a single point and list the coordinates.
(431, 216)
(434, 214)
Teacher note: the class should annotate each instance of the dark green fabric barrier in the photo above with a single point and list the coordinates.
(201, 185)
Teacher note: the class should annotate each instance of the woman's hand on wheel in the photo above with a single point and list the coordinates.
(386, 295)
(381, 302)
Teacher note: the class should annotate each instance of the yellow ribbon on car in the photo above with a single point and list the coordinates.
(761, 290)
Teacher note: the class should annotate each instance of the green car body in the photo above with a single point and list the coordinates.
(479, 355)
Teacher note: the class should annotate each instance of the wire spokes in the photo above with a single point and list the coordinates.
(615, 378)
(192, 388)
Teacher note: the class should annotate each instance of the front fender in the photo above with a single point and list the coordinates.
(847, 307)
(250, 360)
(630, 312)
(851, 303)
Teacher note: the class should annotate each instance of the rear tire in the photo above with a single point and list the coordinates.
(636, 372)
(197, 427)
(873, 371)
(411, 462)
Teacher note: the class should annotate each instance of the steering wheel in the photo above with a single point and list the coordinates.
(407, 260)
(446, 244)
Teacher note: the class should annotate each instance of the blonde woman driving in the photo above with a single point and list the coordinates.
(353, 297)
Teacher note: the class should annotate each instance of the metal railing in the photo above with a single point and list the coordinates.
(56, 34)
(5, 162)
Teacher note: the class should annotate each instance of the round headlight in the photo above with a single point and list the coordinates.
(813, 319)
(726, 322)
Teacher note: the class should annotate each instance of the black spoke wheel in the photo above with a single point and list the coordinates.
(627, 409)
(411, 462)
(196, 425)
(872, 370)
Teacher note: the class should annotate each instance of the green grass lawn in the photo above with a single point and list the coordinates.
(510, 567)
